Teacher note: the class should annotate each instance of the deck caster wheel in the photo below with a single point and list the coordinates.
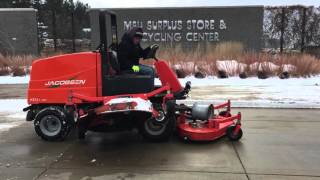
(225, 114)
(52, 124)
(231, 135)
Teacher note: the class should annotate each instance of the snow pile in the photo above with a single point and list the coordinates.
(230, 66)
(288, 68)
(233, 67)
(185, 65)
(264, 66)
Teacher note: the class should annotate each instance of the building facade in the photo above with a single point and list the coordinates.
(18, 31)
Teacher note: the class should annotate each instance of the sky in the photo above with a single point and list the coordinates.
(186, 3)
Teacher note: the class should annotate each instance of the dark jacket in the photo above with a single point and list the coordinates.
(129, 53)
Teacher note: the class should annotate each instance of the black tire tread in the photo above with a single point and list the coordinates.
(162, 137)
(59, 112)
(170, 126)
(230, 135)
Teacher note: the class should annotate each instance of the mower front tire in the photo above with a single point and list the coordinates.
(230, 133)
(52, 124)
(157, 132)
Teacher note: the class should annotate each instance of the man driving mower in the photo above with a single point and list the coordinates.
(130, 51)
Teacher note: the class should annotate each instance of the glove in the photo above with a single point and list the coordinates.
(152, 51)
(135, 68)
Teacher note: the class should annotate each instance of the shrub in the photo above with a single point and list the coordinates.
(18, 71)
(222, 74)
(228, 50)
(223, 59)
(248, 63)
(284, 75)
(180, 73)
(4, 71)
(262, 75)
(243, 75)
(18, 65)
(199, 75)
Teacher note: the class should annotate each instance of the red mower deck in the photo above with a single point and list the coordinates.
(198, 130)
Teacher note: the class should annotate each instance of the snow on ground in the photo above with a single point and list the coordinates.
(254, 92)
(12, 105)
(14, 80)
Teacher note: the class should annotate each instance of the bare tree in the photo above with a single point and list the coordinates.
(294, 27)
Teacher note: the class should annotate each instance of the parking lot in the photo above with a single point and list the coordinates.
(277, 144)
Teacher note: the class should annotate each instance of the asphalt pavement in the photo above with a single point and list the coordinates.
(277, 144)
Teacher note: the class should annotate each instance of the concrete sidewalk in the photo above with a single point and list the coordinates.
(277, 144)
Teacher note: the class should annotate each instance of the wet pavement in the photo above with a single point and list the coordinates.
(13, 91)
(277, 144)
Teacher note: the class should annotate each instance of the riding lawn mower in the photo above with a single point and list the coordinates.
(86, 91)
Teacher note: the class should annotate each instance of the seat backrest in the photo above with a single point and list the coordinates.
(114, 61)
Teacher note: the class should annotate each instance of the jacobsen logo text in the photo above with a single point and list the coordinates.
(65, 82)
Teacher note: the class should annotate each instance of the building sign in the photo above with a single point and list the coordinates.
(173, 30)
(189, 26)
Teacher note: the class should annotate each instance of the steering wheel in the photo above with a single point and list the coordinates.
(153, 51)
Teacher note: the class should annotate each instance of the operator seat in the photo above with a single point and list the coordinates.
(114, 63)
(124, 82)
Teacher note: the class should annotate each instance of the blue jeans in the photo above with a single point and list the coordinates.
(146, 70)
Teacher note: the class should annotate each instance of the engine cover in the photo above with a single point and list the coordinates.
(202, 111)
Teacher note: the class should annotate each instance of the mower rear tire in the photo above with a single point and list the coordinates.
(52, 124)
(231, 135)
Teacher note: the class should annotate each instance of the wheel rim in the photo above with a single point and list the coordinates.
(161, 117)
(50, 125)
(153, 127)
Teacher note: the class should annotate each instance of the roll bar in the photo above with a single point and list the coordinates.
(103, 29)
